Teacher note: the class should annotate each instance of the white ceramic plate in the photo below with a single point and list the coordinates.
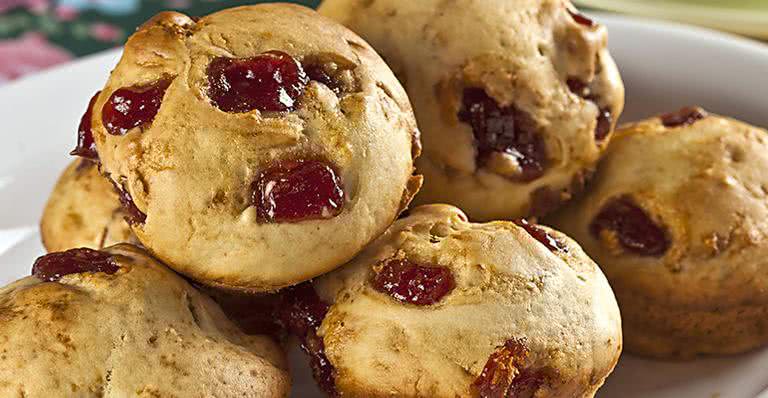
(746, 17)
(665, 66)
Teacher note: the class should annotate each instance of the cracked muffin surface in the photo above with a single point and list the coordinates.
(440, 307)
(253, 139)
(516, 100)
(83, 210)
(676, 217)
(134, 328)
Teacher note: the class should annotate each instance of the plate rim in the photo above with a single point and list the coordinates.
(743, 21)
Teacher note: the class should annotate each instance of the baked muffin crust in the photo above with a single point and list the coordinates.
(83, 211)
(140, 331)
(676, 219)
(192, 169)
(540, 310)
(515, 99)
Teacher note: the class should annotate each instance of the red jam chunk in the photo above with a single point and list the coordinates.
(301, 309)
(86, 147)
(541, 235)
(52, 266)
(604, 122)
(301, 313)
(684, 117)
(296, 190)
(131, 107)
(582, 19)
(506, 373)
(133, 215)
(634, 229)
(322, 369)
(319, 74)
(505, 130)
(270, 82)
(413, 283)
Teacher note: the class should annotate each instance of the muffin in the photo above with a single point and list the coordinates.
(516, 99)
(440, 307)
(676, 217)
(254, 139)
(117, 323)
(83, 211)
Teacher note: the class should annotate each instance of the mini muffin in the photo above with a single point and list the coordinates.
(516, 99)
(83, 211)
(440, 307)
(116, 323)
(253, 140)
(677, 217)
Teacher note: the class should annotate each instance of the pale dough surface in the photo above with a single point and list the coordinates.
(706, 185)
(508, 286)
(191, 170)
(522, 52)
(141, 332)
(83, 211)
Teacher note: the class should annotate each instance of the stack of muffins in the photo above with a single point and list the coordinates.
(243, 183)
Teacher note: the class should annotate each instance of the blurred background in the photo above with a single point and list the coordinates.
(37, 34)
(745, 17)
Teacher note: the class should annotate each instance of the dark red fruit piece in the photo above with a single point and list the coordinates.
(301, 309)
(581, 19)
(269, 82)
(506, 373)
(604, 115)
(301, 313)
(685, 116)
(578, 87)
(319, 74)
(86, 147)
(633, 227)
(541, 235)
(322, 369)
(130, 107)
(52, 266)
(296, 190)
(413, 283)
(505, 130)
(133, 215)
(604, 122)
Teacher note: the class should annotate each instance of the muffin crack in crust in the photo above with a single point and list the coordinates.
(254, 87)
